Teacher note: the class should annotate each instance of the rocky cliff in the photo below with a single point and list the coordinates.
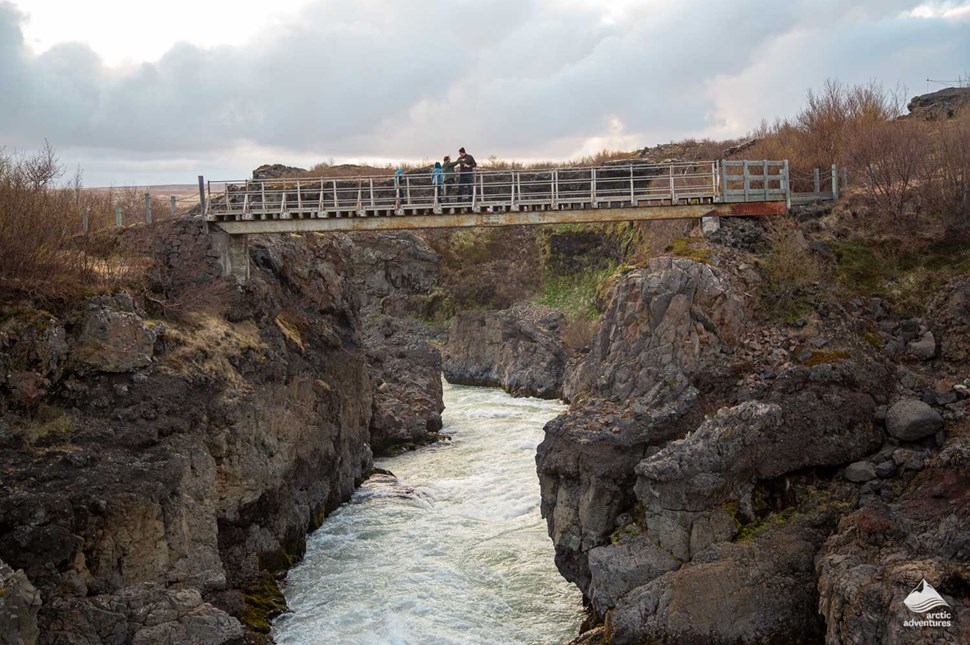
(721, 479)
(398, 280)
(517, 349)
(159, 473)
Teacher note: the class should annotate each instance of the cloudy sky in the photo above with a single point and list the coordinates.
(150, 93)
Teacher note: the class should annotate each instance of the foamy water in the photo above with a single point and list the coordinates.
(451, 551)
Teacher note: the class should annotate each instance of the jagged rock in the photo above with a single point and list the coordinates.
(277, 171)
(942, 104)
(924, 347)
(141, 615)
(405, 371)
(860, 471)
(396, 273)
(757, 592)
(662, 325)
(114, 336)
(586, 472)
(881, 552)
(19, 603)
(397, 276)
(33, 349)
(886, 469)
(615, 569)
(912, 420)
(516, 349)
(209, 472)
(685, 487)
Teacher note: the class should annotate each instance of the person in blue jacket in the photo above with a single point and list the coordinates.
(437, 180)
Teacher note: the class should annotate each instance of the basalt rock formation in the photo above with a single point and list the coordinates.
(158, 475)
(517, 349)
(397, 278)
(719, 479)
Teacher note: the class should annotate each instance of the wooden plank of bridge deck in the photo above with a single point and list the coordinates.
(465, 220)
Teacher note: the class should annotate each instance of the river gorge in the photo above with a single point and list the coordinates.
(450, 550)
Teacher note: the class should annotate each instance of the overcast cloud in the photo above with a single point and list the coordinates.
(389, 79)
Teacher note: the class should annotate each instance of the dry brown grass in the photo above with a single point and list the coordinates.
(791, 272)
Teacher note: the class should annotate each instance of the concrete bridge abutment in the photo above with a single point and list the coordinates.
(233, 253)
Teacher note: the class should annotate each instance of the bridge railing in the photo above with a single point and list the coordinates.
(611, 186)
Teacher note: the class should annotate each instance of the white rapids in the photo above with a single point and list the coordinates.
(451, 551)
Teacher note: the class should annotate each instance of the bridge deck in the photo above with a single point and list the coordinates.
(630, 191)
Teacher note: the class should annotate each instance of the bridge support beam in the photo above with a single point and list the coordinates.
(233, 253)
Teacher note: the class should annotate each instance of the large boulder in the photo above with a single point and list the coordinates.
(517, 349)
(912, 420)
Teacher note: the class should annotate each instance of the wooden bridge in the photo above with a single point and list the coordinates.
(619, 192)
(625, 191)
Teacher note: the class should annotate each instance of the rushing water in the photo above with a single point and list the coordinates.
(453, 551)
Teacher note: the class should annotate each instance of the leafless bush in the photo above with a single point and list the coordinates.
(790, 269)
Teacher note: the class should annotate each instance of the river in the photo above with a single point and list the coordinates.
(452, 551)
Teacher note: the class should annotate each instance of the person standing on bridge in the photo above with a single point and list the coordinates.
(398, 187)
(466, 174)
(437, 180)
(448, 168)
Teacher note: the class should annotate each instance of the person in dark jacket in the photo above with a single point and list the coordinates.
(466, 174)
(448, 168)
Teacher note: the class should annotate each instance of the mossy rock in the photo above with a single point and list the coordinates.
(263, 602)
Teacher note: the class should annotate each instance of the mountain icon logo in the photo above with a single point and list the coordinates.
(923, 598)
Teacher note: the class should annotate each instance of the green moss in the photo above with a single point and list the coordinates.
(264, 602)
(693, 249)
(873, 339)
(575, 295)
(904, 276)
(773, 520)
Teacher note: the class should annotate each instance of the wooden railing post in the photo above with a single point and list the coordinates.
(174, 209)
(765, 177)
(673, 189)
(818, 182)
(747, 182)
(786, 181)
(118, 216)
(336, 201)
(555, 188)
(633, 192)
(592, 187)
(835, 181)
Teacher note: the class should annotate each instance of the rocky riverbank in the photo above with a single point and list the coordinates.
(161, 472)
(720, 478)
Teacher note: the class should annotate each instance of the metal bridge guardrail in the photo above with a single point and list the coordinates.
(495, 191)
